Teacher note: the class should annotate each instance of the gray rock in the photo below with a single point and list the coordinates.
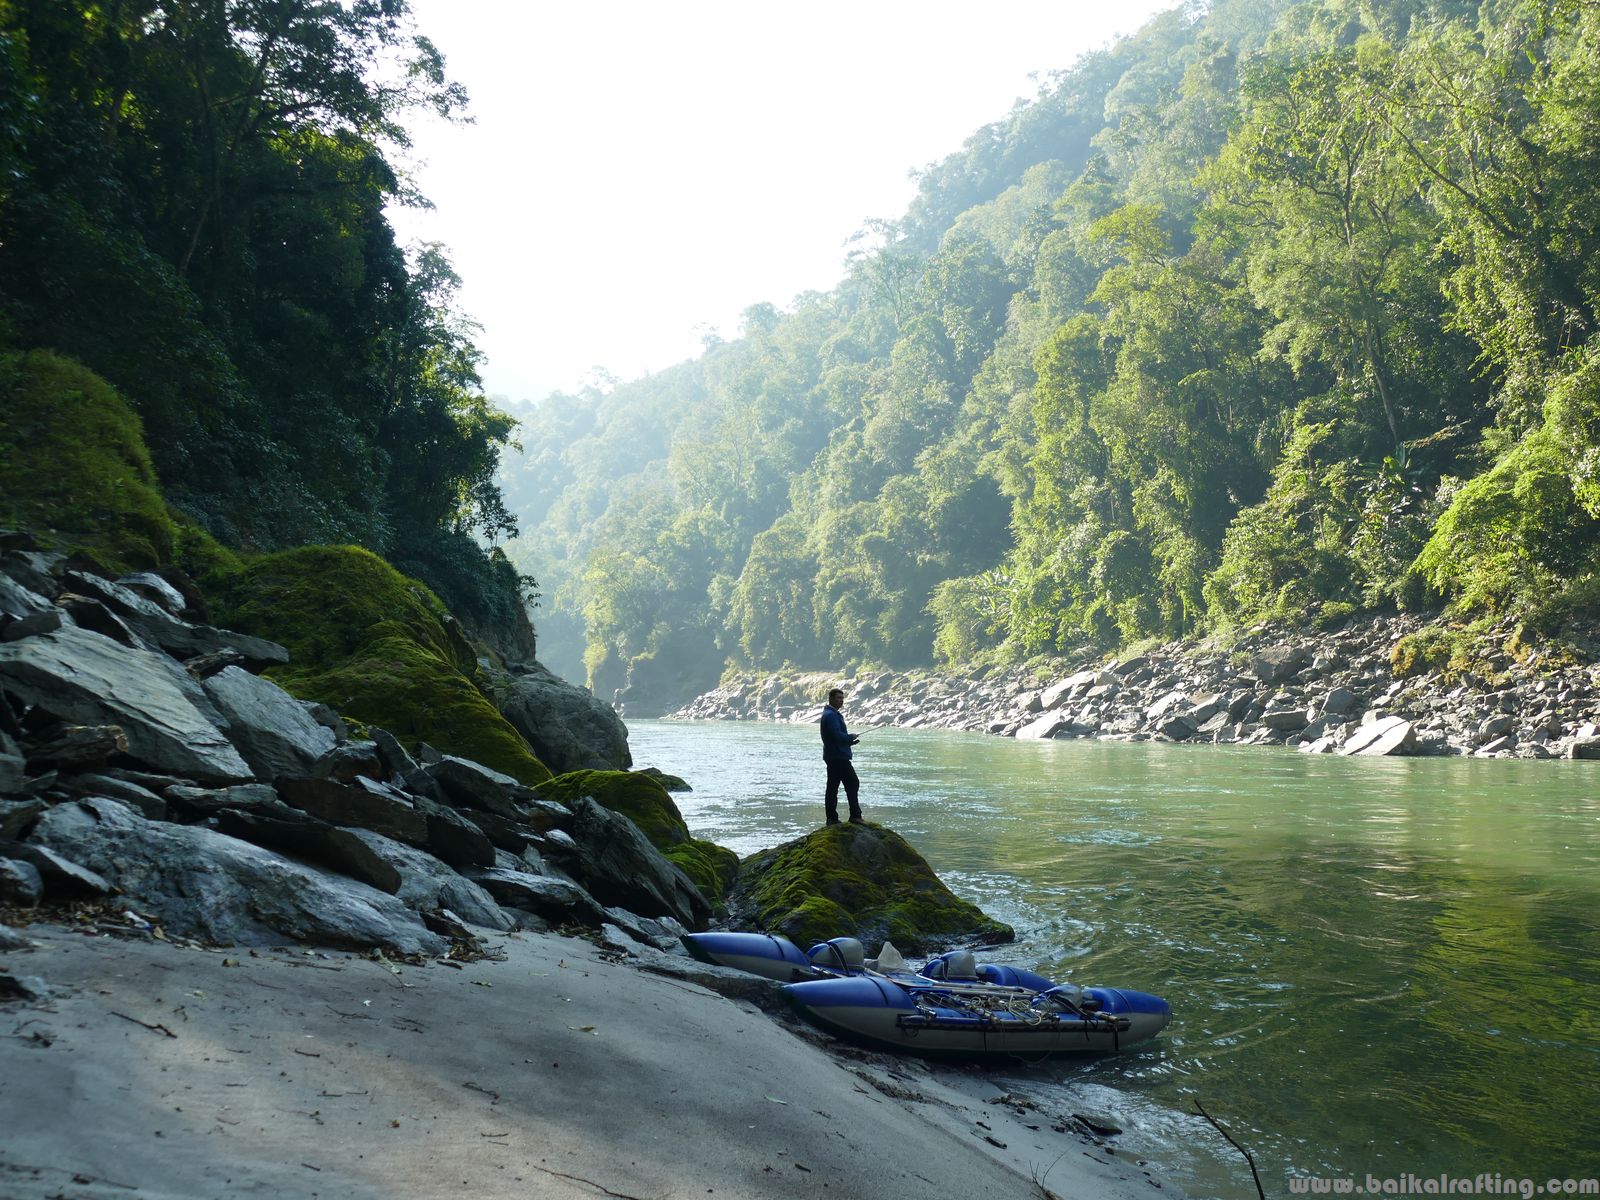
(13, 775)
(178, 638)
(1285, 720)
(453, 838)
(1030, 702)
(1057, 693)
(1202, 708)
(426, 883)
(20, 882)
(1388, 735)
(196, 803)
(18, 816)
(82, 677)
(476, 786)
(1179, 728)
(1047, 726)
(23, 987)
(362, 803)
(1278, 663)
(351, 761)
(1494, 727)
(553, 899)
(18, 603)
(328, 719)
(569, 728)
(1169, 702)
(132, 794)
(203, 884)
(290, 831)
(156, 589)
(11, 939)
(392, 756)
(48, 621)
(1340, 700)
(1584, 747)
(267, 725)
(61, 875)
(618, 865)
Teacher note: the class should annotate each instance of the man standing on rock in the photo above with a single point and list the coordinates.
(836, 743)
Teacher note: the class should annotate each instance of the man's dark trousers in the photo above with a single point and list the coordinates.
(845, 773)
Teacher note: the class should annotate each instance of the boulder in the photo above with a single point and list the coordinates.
(203, 884)
(392, 756)
(1285, 720)
(672, 783)
(132, 794)
(1057, 693)
(1278, 663)
(362, 803)
(861, 881)
(618, 865)
(266, 724)
(1340, 700)
(20, 882)
(154, 588)
(427, 884)
(1047, 726)
(474, 785)
(11, 939)
(85, 678)
(1387, 735)
(13, 774)
(1167, 703)
(197, 803)
(557, 900)
(60, 874)
(1178, 727)
(177, 637)
(1584, 747)
(18, 816)
(291, 831)
(568, 727)
(76, 746)
(453, 838)
(1495, 727)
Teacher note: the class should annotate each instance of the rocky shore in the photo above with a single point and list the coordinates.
(1379, 687)
(248, 946)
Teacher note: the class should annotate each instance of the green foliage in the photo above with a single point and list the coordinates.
(74, 463)
(376, 646)
(193, 207)
(856, 881)
(643, 800)
(1432, 648)
(1268, 312)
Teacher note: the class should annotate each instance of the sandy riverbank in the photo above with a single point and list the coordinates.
(155, 1071)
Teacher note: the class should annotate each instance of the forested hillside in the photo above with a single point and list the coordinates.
(1268, 311)
(192, 207)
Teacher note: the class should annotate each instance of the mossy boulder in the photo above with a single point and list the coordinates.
(377, 646)
(861, 881)
(641, 798)
(74, 467)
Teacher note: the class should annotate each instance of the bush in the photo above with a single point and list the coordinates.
(74, 465)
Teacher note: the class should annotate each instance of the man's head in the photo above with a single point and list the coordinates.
(836, 698)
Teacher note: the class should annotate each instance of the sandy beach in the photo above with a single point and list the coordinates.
(560, 1069)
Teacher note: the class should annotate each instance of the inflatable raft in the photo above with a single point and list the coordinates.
(953, 1006)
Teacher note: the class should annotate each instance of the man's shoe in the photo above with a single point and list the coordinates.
(832, 821)
(858, 819)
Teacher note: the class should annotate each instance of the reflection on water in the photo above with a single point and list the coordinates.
(1376, 966)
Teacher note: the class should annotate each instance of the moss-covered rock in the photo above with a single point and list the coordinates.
(641, 798)
(74, 468)
(861, 881)
(375, 645)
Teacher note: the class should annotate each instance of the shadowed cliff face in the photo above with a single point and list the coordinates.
(862, 881)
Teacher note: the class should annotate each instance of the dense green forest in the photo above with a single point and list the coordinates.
(192, 200)
(1269, 311)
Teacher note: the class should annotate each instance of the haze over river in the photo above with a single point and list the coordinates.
(1376, 966)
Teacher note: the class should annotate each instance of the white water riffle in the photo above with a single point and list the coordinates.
(1376, 966)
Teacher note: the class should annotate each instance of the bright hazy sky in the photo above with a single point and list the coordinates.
(640, 173)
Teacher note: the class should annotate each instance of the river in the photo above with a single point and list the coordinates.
(1376, 966)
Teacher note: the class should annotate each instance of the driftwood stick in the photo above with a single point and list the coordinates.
(1217, 1125)
(146, 1024)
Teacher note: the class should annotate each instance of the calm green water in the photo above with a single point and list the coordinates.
(1375, 966)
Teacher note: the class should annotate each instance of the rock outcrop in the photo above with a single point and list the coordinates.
(861, 881)
(223, 809)
(567, 726)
